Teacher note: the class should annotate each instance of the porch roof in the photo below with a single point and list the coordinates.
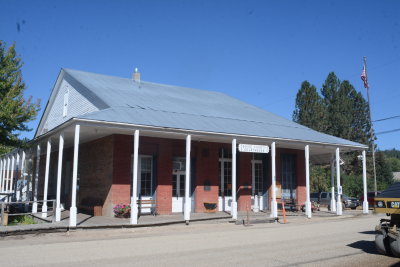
(149, 104)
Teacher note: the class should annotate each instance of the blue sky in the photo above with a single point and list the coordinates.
(258, 51)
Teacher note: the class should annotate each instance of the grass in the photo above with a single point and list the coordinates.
(20, 219)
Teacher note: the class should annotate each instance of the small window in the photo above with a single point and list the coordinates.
(65, 107)
(323, 195)
(146, 177)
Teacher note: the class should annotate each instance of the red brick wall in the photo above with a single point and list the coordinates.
(96, 173)
(164, 177)
(207, 170)
(244, 181)
(121, 175)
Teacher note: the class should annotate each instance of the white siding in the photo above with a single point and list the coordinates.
(77, 105)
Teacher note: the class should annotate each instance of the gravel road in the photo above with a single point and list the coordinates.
(301, 242)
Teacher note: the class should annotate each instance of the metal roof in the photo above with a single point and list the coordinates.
(151, 104)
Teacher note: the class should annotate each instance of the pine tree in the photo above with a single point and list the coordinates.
(15, 111)
(309, 110)
(345, 115)
(332, 103)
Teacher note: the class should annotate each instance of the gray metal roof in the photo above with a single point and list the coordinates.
(151, 104)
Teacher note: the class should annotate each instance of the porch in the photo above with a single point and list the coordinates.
(114, 173)
(85, 221)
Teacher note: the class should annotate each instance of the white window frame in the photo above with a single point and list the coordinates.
(140, 174)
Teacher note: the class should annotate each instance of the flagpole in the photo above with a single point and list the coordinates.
(372, 132)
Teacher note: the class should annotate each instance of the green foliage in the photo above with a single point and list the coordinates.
(15, 111)
(20, 219)
(343, 112)
(392, 153)
(384, 174)
(320, 181)
(394, 164)
(309, 110)
(352, 185)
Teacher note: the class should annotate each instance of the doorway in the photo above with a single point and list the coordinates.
(178, 190)
(259, 194)
(225, 186)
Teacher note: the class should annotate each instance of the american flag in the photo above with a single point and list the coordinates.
(364, 77)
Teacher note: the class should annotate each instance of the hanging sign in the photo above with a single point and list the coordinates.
(340, 191)
(253, 148)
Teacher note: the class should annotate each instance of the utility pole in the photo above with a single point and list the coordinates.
(364, 77)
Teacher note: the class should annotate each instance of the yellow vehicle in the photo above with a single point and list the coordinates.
(387, 238)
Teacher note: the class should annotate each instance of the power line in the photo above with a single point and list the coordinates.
(390, 131)
(388, 118)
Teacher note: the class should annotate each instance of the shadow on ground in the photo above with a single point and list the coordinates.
(366, 246)
(368, 232)
(369, 247)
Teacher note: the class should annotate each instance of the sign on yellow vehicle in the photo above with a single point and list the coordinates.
(387, 205)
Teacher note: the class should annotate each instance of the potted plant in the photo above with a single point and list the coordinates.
(122, 211)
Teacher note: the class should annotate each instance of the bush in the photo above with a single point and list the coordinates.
(20, 219)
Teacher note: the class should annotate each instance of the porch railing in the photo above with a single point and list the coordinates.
(25, 205)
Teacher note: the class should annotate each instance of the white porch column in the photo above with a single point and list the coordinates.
(333, 198)
(35, 190)
(274, 204)
(1, 174)
(188, 203)
(73, 210)
(12, 170)
(339, 210)
(234, 200)
(17, 192)
(46, 179)
(134, 206)
(59, 172)
(22, 169)
(365, 203)
(8, 173)
(308, 202)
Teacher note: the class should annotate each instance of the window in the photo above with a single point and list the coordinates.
(225, 173)
(65, 107)
(288, 176)
(258, 177)
(146, 176)
(324, 195)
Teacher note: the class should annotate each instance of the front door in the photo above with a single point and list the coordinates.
(258, 198)
(145, 182)
(225, 186)
(178, 190)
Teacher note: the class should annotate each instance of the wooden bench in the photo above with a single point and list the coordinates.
(147, 204)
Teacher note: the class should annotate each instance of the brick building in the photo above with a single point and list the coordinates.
(106, 140)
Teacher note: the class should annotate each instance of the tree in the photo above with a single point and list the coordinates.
(331, 102)
(392, 153)
(343, 112)
(320, 181)
(309, 110)
(395, 164)
(384, 174)
(15, 111)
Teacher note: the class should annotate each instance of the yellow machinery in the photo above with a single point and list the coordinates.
(387, 238)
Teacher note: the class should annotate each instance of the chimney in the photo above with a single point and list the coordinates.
(136, 75)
